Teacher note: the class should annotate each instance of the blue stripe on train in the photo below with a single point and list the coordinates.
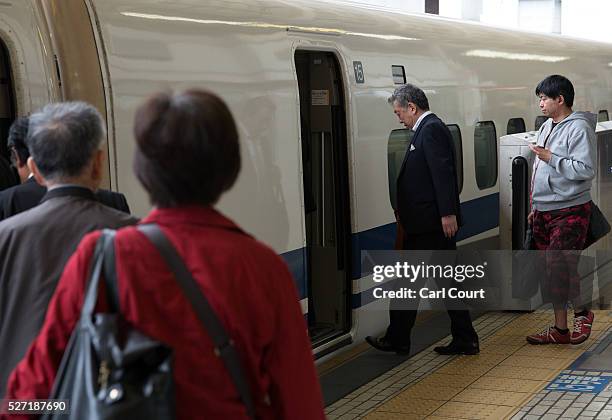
(479, 215)
(296, 260)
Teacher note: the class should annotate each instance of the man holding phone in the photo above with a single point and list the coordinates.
(561, 206)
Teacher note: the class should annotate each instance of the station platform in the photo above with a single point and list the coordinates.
(509, 379)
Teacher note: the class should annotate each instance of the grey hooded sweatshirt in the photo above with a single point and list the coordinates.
(565, 180)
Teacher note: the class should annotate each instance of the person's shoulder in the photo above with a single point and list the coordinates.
(433, 122)
(111, 195)
(88, 243)
(581, 124)
(29, 219)
(10, 192)
(30, 189)
(113, 199)
(118, 218)
(246, 244)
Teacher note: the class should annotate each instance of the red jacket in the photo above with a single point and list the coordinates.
(248, 286)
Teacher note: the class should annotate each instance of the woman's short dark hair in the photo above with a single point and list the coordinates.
(187, 149)
(555, 86)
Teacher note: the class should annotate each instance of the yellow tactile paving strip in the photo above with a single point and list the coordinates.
(494, 384)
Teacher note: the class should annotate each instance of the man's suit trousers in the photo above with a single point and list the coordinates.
(402, 321)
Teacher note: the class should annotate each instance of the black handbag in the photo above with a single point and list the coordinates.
(109, 370)
(528, 243)
(598, 226)
(527, 268)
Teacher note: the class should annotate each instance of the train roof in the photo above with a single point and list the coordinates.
(353, 19)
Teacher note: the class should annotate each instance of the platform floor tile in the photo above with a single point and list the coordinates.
(447, 380)
(429, 392)
(501, 349)
(386, 415)
(542, 362)
(506, 381)
(412, 405)
(538, 374)
(473, 411)
(491, 397)
(566, 351)
(508, 384)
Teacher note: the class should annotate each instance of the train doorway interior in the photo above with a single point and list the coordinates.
(326, 196)
(8, 177)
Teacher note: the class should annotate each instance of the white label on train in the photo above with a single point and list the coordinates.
(319, 97)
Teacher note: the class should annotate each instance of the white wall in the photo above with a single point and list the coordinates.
(501, 13)
(591, 19)
(540, 15)
(416, 6)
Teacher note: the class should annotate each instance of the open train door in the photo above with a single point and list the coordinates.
(8, 177)
(326, 196)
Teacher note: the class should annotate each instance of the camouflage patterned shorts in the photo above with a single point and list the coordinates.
(558, 230)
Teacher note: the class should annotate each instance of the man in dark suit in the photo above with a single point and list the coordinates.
(428, 212)
(7, 176)
(64, 142)
(29, 193)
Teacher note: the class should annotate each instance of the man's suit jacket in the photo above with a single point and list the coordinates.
(427, 181)
(23, 197)
(34, 247)
(7, 175)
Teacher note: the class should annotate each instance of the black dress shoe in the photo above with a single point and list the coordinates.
(454, 348)
(383, 345)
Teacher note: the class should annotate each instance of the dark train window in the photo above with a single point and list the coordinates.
(396, 150)
(456, 133)
(399, 75)
(485, 154)
(516, 125)
(539, 121)
(603, 115)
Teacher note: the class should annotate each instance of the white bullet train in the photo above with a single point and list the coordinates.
(307, 82)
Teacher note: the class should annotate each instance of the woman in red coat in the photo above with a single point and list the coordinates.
(187, 155)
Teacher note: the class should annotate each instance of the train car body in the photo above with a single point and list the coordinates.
(307, 83)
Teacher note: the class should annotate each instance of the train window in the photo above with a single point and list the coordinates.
(541, 119)
(456, 133)
(603, 115)
(516, 125)
(396, 150)
(485, 154)
(399, 75)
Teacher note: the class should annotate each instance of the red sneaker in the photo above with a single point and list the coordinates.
(582, 328)
(549, 335)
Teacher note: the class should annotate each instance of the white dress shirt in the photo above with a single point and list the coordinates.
(423, 115)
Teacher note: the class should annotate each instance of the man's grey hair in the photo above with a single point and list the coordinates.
(63, 138)
(409, 93)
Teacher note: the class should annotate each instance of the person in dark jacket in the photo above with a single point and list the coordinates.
(65, 141)
(7, 176)
(429, 213)
(28, 194)
(187, 155)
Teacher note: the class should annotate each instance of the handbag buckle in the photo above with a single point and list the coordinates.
(222, 348)
(103, 374)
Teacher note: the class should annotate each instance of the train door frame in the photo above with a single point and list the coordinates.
(81, 77)
(8, 108)
(343, 193)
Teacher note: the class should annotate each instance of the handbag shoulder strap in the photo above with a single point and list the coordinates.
(224, 346)
(101, 262)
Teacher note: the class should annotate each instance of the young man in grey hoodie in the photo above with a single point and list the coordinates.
(561, 205)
